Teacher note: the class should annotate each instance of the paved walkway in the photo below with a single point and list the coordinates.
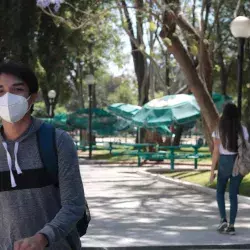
(132, 210)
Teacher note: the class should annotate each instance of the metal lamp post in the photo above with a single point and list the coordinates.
(240, 28)
(52, 96)
(90, 80)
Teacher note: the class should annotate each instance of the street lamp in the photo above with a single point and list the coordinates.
(52, 96)
(90, 80)
(240, 28)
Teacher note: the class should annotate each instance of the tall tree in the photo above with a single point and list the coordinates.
(198, 80)
(51, 53)
(137, 47)
(18, 23)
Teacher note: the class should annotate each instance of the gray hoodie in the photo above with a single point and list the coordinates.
(29, 203)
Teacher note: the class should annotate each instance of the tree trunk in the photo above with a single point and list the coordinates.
(167, 73)
(223, 71)
(178, 134)
(151, 66)
(193, 13)
(208, 135)
(223, 74)
(140, 59)
(137, 45)
(80, 81)
(199, 87)
(196, 84)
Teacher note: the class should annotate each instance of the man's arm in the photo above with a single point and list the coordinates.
(71, 191)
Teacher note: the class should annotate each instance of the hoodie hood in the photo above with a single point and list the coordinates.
(32, 129)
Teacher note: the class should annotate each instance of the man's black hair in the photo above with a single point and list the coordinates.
(22, 72)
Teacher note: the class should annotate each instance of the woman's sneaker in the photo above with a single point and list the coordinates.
(222, 227)
(230, 230)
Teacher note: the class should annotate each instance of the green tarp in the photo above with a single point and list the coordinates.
(103, 123)
(158, 114)
(162, 130)
(107, 130)
(167, 110)
(59, 121)
(173, 109)
(100, 119)
(220, 100)
(126, 111)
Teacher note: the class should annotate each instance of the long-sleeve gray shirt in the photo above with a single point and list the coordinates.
(28, 203)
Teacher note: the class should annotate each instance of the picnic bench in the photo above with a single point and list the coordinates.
(160, 153)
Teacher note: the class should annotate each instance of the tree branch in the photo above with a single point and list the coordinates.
(204, 52)
(193, 11)
(208, 5)
(128, 19)
(236, 12)
(201, 44)
(196, 84)
(183, 23)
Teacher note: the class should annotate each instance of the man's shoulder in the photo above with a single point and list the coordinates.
(62, 137)
(60, 132)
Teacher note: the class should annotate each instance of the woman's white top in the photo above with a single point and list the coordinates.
(222, 150)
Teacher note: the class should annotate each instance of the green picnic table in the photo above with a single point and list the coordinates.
(160, 153)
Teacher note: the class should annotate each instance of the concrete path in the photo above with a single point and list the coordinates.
(131, 210)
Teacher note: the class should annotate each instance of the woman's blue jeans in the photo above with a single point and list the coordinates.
(226, 164)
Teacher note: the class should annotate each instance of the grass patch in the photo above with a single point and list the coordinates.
(202, 178)
(207, 161)
(201, 150)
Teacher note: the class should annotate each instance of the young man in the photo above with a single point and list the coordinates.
(35, 214)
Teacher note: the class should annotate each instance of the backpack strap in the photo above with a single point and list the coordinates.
(46, 140)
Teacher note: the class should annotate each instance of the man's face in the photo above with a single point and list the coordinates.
(14, 85)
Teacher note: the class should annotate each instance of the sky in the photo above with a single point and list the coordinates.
(128, 66)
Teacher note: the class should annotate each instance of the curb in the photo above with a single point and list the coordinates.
(193, 186)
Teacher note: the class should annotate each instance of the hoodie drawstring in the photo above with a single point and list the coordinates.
(17, 167)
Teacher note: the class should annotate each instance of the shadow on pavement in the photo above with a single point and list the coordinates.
(134, 211)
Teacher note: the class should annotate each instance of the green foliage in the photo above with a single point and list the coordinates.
(194, 50)
(217, 68)
(19, 22)
(123, 94)
(115, 89)
(40, 110)
(60, 56)
(152, 27)
(167, 41)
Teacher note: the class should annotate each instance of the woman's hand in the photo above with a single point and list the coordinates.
(212, 177)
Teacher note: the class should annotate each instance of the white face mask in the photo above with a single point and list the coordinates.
(13, 107)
